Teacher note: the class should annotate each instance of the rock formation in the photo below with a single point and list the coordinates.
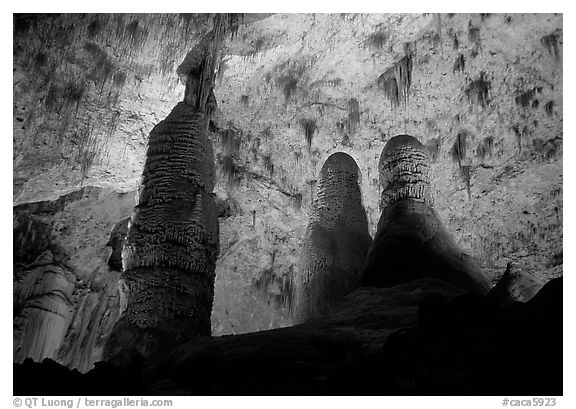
(172, 243)
(335, 243)
(45, 308)
(425, 334)
(411, 241)
(515, 285)
(420, 338)
(485, 93)
(171, 248)
(66, 297)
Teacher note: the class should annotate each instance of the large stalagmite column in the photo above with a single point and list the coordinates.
(171, 248)
(335, 243)
(411, 241)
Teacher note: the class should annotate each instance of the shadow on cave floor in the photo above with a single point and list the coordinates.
(459, 344)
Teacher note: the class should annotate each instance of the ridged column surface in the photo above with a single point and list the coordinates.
(404, 170)
(335, 243)
(411, 241)
(171, 247)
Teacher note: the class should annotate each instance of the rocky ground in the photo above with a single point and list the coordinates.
(419, 338)
(482, 92)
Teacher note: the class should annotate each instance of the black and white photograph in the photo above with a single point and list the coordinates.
(287, 204)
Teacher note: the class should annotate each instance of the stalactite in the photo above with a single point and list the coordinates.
(477, 91)
(396, 80)
(119, 79)
(466, 172)
(290, 74)
(353, 115)
(230, 171)
(433, 147)
(309, 127)
(438, 34)
(484, 148)
(550, 43)
(455, 42)
(268, 165)
(376, 40)
(549, 107)
(458, 150)
(524, 98)
(459, 64)
(473, 34)
(95, 27)
(230, 142)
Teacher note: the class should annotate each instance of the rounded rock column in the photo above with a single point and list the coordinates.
(170, 251)
(336, 241)
(411, 241)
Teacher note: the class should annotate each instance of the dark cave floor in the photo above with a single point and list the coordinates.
(424, 337)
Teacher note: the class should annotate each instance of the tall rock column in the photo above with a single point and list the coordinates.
(411, 241)
(335, 243)
(172, 243)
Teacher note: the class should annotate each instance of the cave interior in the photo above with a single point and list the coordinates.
(288, 204)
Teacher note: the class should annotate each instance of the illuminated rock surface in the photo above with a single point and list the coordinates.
(482, 93)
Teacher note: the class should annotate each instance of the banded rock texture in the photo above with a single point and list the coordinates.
(43, 310)
(65, 297)
(172, 244)
(335, 243)
(404, 171)
(411, 241)
(170, 252)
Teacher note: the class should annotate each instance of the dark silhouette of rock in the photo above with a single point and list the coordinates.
(116, 242)
(477, 346)
(420, 338)
(411, 241)
(49, 378)
(515, 285)
(335, 243)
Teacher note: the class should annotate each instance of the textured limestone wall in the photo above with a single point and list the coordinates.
(43, 297)
(502, 200)
(66, 297)
(335, 243)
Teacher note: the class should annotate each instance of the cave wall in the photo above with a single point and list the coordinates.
(66, 298)
(482, 92)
